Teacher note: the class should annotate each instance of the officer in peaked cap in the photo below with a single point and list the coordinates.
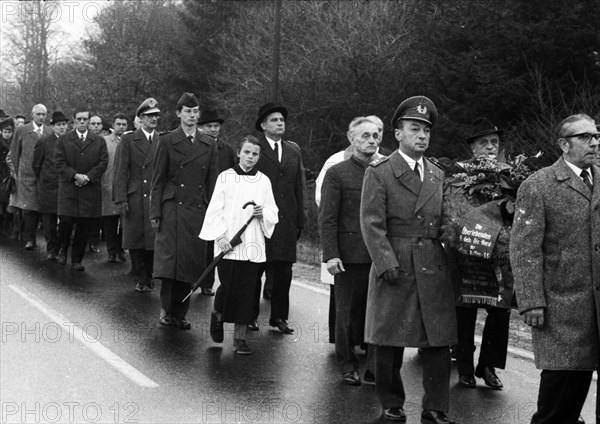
(148, 107)
(416, 108)
(400, 211)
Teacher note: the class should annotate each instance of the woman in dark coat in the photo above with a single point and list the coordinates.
(7, 128)
(185, 172)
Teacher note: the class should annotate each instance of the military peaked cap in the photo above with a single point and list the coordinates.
(148, 106)
(416, 108)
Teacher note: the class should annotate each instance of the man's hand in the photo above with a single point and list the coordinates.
(391, 276)
(534, 317)
(335, 266)
(258, 212)
(155, 223)
(81, 180)
(224, 244)
(123, 207)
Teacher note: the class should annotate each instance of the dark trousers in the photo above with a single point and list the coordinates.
(331, 314)
(172, 293)
(281, 275)
(142, 263)
(351, 289)
(30, 224)
(50, 223)
(209, 281)
(494, 343)
(561, 396)
(82, 230)
(436, 377)
(112, 234)
(94, 235)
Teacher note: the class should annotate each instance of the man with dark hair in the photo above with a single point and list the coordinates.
(81, 159)
(134, 164)
(44, 167)
(110, 210)
(410, 299)
(210, 124)
(20, 160)
(19, 120)
(555, 258)
(281, 161)
(185, 172)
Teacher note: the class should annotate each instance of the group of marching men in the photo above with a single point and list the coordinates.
(183, 196)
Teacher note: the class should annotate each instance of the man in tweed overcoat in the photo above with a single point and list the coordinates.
(555, 256)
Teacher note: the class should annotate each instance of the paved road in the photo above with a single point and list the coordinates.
(85, 347)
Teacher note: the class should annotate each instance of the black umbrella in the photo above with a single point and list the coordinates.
(237, 239)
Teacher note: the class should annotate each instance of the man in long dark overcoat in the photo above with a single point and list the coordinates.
(185, 172)
(281, 161)
(555, 257)
(134, 165)
(44, 167)
(19, 160)
(410, 300)
(81, 159)
(210, 124)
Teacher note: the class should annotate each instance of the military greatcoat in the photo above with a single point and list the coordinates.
(184, 178)
(400, 218)
(555, 258)
(134, 164)
(72, 157)
(287, 179)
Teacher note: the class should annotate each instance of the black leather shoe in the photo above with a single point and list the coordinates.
(394, 414)
(253, 326)
(121, 256)
(580, 420)
(167, 321)
(267, 294)
(150, 284)
(183, 324)
(369, 378)
(489, 377)
(77, 266)
(467, 381)
(29, 245)
(207, 291)
(351, 378)
(216, 328)
(93, 249)
(62, 257)
(435, 417)
(140, 287)
(282, 325)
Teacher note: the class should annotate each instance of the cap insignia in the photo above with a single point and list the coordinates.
(422, 109)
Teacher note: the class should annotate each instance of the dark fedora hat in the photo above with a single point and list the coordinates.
(10, 122)
(209, 116)
(3, 114)
(268, 109)
(481, 127)
(58, 117)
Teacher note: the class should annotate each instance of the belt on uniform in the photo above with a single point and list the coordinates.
(409, 231)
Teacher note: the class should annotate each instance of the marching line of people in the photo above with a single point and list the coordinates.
(175, 201)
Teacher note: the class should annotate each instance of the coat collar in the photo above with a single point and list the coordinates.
(423, 190)
(565, 175)
(268, 152)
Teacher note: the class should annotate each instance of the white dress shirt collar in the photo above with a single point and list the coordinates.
(148, 135)
(411, 162)
(79, 135)
(272, 144)
(577, 170)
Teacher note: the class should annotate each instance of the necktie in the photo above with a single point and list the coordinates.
(82, 139)
(191, 139)
(150, 139)
(276, 150)
(586, 179)
(38, 131)
(417, 170)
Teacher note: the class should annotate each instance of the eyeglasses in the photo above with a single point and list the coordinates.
(585, 137)
(81, 118)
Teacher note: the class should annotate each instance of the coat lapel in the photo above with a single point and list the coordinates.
(596, 193)
(565, 175)
(431, 183)
(191, 151)
(405, 175)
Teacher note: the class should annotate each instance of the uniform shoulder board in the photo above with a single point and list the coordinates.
(379, 161)
(164, 133)
(436, 162)
(295, 145)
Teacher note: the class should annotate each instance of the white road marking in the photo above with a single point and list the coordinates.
(98, 348)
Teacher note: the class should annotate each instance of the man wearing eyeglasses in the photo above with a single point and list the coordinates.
(555, 257)
(81, 158)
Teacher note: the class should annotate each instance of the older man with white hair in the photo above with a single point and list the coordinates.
(20, 159)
